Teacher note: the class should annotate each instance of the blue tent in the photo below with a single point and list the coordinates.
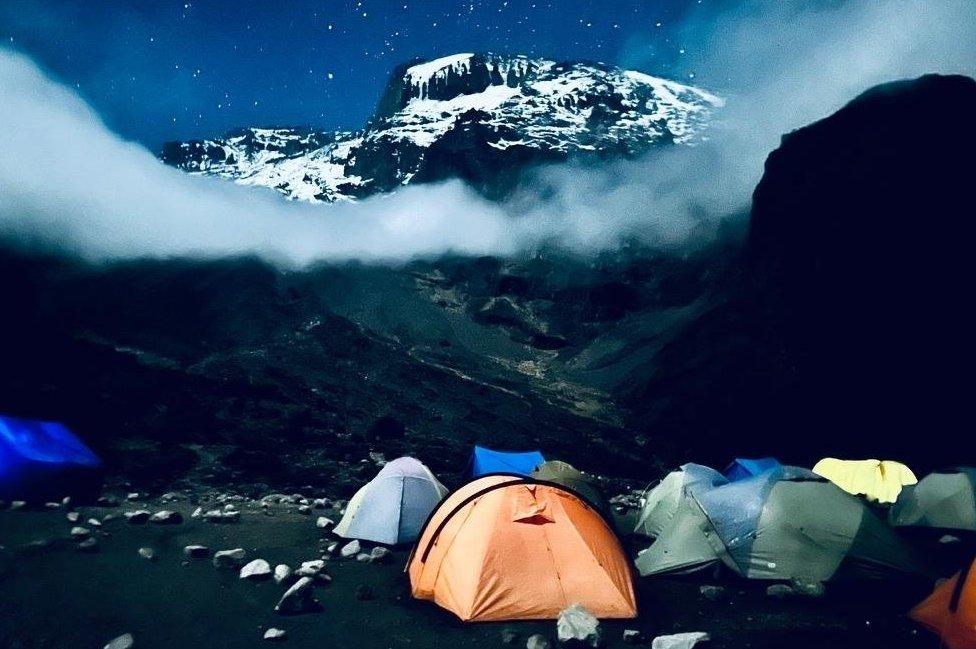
(484, 460)
(42, 459)
(742, 468)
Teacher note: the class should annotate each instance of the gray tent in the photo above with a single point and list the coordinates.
(661, 502)
(392, 507)
(565, 474)
(944, 500)
(782, 524)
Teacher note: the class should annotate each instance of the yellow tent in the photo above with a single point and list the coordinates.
(877, 480)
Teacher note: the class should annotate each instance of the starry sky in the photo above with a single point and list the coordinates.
(157, 70)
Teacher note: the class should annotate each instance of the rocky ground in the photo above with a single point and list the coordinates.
(121, 574)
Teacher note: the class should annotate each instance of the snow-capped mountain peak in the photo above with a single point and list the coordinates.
(481, 117)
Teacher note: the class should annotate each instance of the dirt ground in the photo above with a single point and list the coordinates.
(58, 597)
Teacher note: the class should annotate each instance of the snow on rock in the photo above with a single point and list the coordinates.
(486, 105)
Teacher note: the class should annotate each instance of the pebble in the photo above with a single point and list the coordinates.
(256, 569)
(124, 641)
(80, 532)
(713, 593)
(275, 634)
(228, 558)
(632, 636)
(196, 552)
(350, 549)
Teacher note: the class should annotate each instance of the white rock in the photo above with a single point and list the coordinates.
(17, 504)
(310, 568)
(324, 523)
(196, 552)
(537, 641)
(80, 532)
(52, 505)
(137, 517)
(304, 509)
(88, 545)
(256, 569)
(229, 558)
(274, 634)
(332, 547)
(320, 503)
(147, 553)
(93, 522)
(66, 502)
(197, 513)
(379, 554)
(166, 517)
(299, 598)
(281, 573)
(132, 496)
(72, 517)
(350, 549)
(679, 640)
(124, 641)
(576, 623)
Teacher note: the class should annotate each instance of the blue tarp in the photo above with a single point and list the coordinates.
(39, 456)
(484, 460)
(742, 468)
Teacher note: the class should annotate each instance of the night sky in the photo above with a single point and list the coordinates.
(163, 69)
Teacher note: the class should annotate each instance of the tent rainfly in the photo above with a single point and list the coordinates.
(567, 475)
(485, 461)
(392, 507)
(877, 480)
(944, 500)
(781, 524)
(662, 501)
(950, 611)
(506, 547)
(742, 468)
(43, 459)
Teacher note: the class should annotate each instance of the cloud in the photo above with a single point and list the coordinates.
(68, 183)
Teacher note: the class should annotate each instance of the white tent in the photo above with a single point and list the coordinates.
(392, 507)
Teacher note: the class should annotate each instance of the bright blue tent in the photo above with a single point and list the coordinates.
(42, 459)
(742, 468)
(484, 460)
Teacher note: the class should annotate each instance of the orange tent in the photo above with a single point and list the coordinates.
(950, 611)
(507, 547)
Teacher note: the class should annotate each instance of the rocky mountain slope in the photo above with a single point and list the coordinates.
(480, 117)
(838, 326)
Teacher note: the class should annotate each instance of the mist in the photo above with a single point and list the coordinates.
(68, 184)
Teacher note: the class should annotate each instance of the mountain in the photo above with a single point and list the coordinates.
(838, 324)
(481, 117)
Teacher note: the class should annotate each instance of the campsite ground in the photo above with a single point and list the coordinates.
(55, 596)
